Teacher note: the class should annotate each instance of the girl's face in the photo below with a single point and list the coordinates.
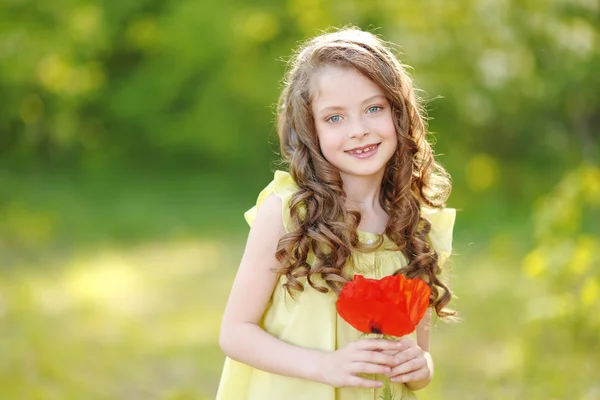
(353, 120)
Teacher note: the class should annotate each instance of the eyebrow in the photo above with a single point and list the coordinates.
(368, 100)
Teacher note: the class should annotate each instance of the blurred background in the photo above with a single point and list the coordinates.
(134, 134)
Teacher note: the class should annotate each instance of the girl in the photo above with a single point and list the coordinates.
(363, 194)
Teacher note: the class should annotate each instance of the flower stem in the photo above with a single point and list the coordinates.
(387, 393)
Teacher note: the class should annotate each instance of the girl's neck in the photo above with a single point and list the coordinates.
(362, 192)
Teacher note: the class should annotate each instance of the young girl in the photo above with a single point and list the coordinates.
(363, 195)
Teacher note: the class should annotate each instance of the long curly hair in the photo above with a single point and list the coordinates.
(325, 231)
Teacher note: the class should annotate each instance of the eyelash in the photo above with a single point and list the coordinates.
(379, 108)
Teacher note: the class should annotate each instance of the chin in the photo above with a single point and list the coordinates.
(363, 172)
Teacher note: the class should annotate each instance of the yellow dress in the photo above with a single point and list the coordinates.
(310, 319)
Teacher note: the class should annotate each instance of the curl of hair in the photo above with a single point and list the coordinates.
(323, 227)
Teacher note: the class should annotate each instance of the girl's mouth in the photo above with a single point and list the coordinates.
(364, 151)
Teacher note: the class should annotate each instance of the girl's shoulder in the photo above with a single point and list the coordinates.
(283, 186)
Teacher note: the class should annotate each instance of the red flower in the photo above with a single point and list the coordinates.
(393, 305)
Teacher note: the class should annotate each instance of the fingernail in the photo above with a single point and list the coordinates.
(399, 344)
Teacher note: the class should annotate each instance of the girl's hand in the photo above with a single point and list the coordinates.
(366, 356)
(412, 365)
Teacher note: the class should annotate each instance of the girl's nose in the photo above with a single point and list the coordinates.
(358, 131)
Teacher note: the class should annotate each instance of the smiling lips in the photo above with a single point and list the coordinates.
(363, 151)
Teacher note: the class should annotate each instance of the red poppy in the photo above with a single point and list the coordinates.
(392, 306)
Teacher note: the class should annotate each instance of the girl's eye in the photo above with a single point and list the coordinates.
(334, 118)
(374, 109)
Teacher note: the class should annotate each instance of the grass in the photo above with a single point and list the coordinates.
(118, 294)
(115, 323)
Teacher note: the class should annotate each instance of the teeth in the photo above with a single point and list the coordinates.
(359, 151)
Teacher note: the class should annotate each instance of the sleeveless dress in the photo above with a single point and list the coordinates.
(310, 319)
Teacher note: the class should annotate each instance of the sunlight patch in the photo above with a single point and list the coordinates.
(109, 281)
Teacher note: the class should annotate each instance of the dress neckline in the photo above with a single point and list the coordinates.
(370, 238)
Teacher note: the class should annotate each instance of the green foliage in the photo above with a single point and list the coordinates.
(171, 80)
(565, 260)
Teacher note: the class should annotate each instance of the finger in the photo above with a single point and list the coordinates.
(391, 352)
(362, 382)
(378, 344)
(408, 354)
(407, 342)
(409, 366)
(413, 365)
(368, 368)
(375, 357)
(412, 376)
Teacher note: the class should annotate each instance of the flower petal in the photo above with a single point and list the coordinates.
(393, 305)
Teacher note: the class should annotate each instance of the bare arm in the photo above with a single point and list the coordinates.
(423, 330)
(242, 339)
(415, 367)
